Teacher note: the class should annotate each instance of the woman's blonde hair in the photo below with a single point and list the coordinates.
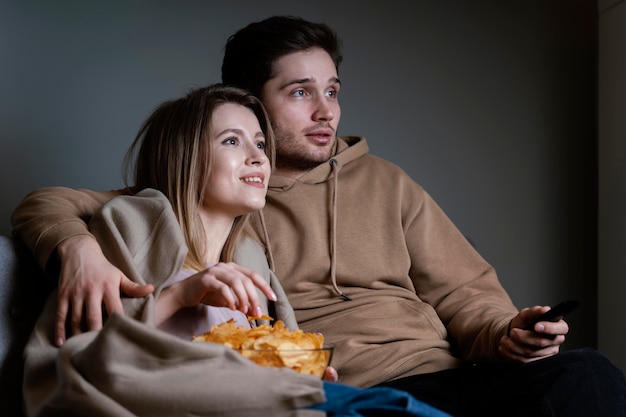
(172, 153)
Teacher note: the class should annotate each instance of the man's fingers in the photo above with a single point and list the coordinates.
(134, 290)
(330, 374)
(76, 318)
(521, 349)
(59, 326)
(113, 302)
(93, 313)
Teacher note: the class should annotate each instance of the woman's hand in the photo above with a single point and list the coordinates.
(530, 345)
(222, 285)
(86, 281)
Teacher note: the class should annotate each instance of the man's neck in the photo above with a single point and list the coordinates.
(290, 172)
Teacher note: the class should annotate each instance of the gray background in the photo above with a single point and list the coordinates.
(490, 105)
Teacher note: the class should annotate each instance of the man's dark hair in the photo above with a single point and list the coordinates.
(250, 53)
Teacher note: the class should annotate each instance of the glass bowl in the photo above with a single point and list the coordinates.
(304, 361)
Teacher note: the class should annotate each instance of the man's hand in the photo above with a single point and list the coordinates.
(530, 345)
(330, 374)
(86, 281)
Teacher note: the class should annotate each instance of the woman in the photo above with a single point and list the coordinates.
(210, 154)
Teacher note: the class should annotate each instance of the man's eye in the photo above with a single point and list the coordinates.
(332, 93)
(298, 93)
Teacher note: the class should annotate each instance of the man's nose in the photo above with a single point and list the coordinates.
(323, 110)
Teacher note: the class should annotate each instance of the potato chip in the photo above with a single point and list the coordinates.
(275, 345)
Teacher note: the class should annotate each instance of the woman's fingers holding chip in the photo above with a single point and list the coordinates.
(227, 284)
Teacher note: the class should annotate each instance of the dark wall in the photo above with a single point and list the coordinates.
(490, 106)
(612, 179)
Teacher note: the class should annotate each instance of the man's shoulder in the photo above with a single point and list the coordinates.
(382, 171)
(378, 165)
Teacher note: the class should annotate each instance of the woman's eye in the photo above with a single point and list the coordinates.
(230, 141)
(261, 145)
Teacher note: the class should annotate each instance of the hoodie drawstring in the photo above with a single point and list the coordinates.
(333, 235)
(333, 231)
(270, 256)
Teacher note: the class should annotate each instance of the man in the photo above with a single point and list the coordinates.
(364, 254)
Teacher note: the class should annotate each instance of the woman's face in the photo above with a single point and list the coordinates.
(238, 181)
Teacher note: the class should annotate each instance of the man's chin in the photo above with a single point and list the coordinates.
(299, 164)
(322, 153)
(319, 157)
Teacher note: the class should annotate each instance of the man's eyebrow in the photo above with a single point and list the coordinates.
(297, 81)
(332, 80)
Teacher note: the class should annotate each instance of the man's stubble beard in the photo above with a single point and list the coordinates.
(295, 156)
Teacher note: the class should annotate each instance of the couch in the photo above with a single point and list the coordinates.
(23, 290)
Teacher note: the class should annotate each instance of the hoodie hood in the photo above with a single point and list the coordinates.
(346, 149)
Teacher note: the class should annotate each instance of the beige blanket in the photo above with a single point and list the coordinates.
(130, 368)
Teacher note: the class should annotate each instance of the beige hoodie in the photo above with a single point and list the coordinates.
(420, 296)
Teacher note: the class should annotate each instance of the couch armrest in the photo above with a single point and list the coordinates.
(23, 291)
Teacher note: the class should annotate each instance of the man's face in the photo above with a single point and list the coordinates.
(302, 101)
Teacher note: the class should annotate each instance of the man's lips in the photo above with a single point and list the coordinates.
(320, 136)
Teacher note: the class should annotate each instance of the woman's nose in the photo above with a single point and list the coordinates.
(257, 157)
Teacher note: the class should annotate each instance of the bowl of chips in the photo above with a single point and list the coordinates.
(275, 346)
